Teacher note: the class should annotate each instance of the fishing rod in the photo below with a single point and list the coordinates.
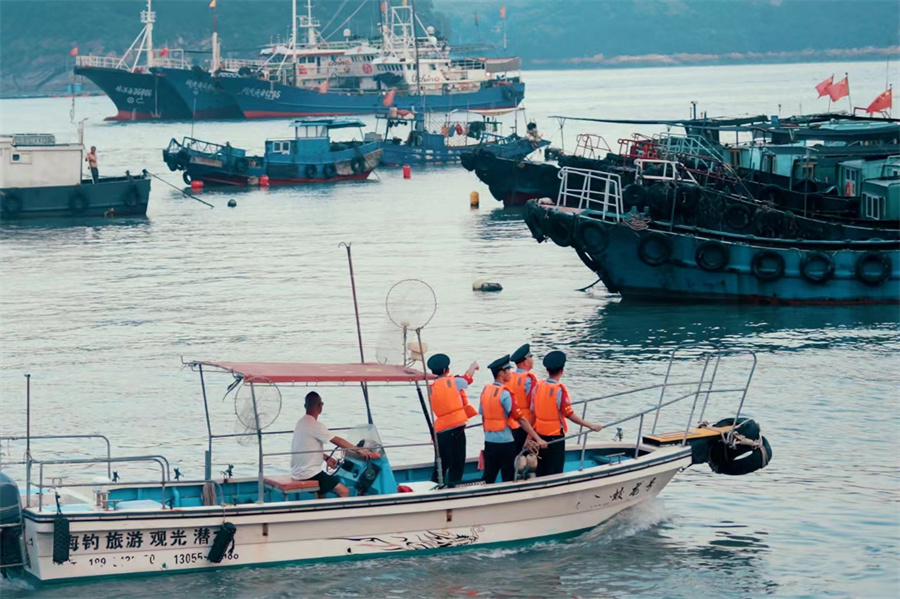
(193, 197)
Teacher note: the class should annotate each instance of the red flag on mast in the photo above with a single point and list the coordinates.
(882, 102)
(164, 51)
(73, 51)
(822, 88)
(839, 90)
(502, 12)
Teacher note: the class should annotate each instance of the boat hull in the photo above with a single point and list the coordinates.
(259, 99)
(658, 265)
(397, 154)
(137, 96)
(361, 527)
(201, 93)
(113, 196)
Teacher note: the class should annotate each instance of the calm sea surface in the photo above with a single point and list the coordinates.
(102, 312)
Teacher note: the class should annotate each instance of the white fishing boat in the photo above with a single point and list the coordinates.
(85, 529)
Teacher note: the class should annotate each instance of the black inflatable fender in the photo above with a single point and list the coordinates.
(221, 544)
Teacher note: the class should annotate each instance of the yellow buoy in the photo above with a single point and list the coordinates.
(473, 199)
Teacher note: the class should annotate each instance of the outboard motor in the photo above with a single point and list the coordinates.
(10, 524)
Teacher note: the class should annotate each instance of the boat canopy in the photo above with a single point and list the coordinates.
(293, 372)
(327, 123)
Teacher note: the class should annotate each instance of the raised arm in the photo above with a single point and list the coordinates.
(344, 444)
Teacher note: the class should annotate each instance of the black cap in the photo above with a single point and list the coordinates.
(520, 354)
(500, 364)
(438, 363)
(555, 360)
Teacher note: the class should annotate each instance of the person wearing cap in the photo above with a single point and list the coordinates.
(552, 407)
(500, 419)
(521, 384)
(451, 409)
(308, 445)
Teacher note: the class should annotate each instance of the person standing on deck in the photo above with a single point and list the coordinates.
(451, 409)
(552, 406)
(91, 159)
(521, 384)
(501, 418)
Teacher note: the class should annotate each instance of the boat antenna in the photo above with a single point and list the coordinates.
(362, 357)
(294, 39)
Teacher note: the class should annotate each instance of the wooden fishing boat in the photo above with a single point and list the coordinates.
(104, 528)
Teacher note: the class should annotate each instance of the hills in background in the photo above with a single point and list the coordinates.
(36, 36)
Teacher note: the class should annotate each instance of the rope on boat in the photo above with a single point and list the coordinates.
(193, 197)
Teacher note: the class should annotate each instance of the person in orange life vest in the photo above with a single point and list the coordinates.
(500, 419)
(552, 406)
(521, 385)
(451, 410)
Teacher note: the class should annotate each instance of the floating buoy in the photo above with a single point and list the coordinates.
(407, 172)
(232, 203)
(264, 181)
(473, 199)
(196, 185)
(486, 286)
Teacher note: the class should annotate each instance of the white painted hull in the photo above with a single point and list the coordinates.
(358, 527)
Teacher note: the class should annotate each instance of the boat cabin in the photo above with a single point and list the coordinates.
(880, 198)
(852, 173)
(36, 160)
(312, 142)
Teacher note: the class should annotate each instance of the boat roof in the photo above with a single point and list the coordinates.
(330, 123)
(299, 372)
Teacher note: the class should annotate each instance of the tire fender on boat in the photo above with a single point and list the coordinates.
(864, 271)
(655, 249)
(11, 204)
(186, 177)
(712, 256)
(358, 165)
(310, 171)
(767, 266)
(593, 236)
(329, 170)
(633, 195)
(183, 158)
(533, 216)
(738, 217)
(560, 227)
(751, 453)
(817, 267)
(241, 165)
(132, 196)
(79, 203)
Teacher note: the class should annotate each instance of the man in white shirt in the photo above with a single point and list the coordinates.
(307, 449)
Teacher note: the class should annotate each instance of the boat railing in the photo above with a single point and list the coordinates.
(173, 59)
(236, 64)
(702, 388)
(690, 144)
(591, 190)
(201, 146)
(655, 169)
(590, 145)
(12, 438)
(638, 146)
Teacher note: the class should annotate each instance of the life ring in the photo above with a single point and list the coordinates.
(11, 205)
(241, 165)
(358, 165)
(186, 177)
(655, 249)
(738, 217)
(817, 267)
(767, 266)
(864, 272)
(712, 256)
(79, 203)
(132, 196)
(311, 171)
(367, 68)
(329, 171)
(560, 227)
(849, 189)
(594, 236)
(740, 459)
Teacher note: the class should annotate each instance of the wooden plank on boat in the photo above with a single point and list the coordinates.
(693, 434)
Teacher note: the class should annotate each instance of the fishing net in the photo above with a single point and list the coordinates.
(411, 304)
(268, 407)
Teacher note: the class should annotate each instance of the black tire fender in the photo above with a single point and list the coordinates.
(241, 164)
(817, 267)
(712, 256)
(655, 249)
(767, 266)
(593, 236)
(633, 195)
(560, 227)
(132, 196)
(358, 165)
(79, 203)
(738, 217)
(310, 171)
(883, 263)
(329, 171)
(186, 177)
(11, 204)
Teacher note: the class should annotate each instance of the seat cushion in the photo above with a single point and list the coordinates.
(286, 483)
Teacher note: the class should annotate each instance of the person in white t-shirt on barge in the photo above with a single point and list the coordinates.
(307, 448)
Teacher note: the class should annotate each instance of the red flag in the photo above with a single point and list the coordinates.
(502, 12)
(73, 51)
(882, 102)
(822, 88)
(164, 52)
(388, 99)
(323, 87)
(839, 90)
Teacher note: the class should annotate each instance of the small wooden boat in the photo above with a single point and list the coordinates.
(104, 528)
(309, 157)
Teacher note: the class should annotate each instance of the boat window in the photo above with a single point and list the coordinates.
(281, 147)
(873, 206)
(21, 158)
(808, 170)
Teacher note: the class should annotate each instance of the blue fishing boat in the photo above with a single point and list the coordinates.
(309, 157)
(648, 260)
(200, 92)
(441, 139)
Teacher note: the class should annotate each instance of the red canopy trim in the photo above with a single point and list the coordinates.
(286, 372)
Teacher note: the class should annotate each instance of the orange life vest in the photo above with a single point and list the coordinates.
(548, 417)
(450, 405)
(492, 414)
(522, 399)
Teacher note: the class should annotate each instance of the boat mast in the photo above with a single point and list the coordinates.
(294, 40)
(415, 41)
(214, 65)
(148, 17)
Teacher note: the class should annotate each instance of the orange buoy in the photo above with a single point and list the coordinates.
(196, 185)
(407, 172)
(264, 181)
